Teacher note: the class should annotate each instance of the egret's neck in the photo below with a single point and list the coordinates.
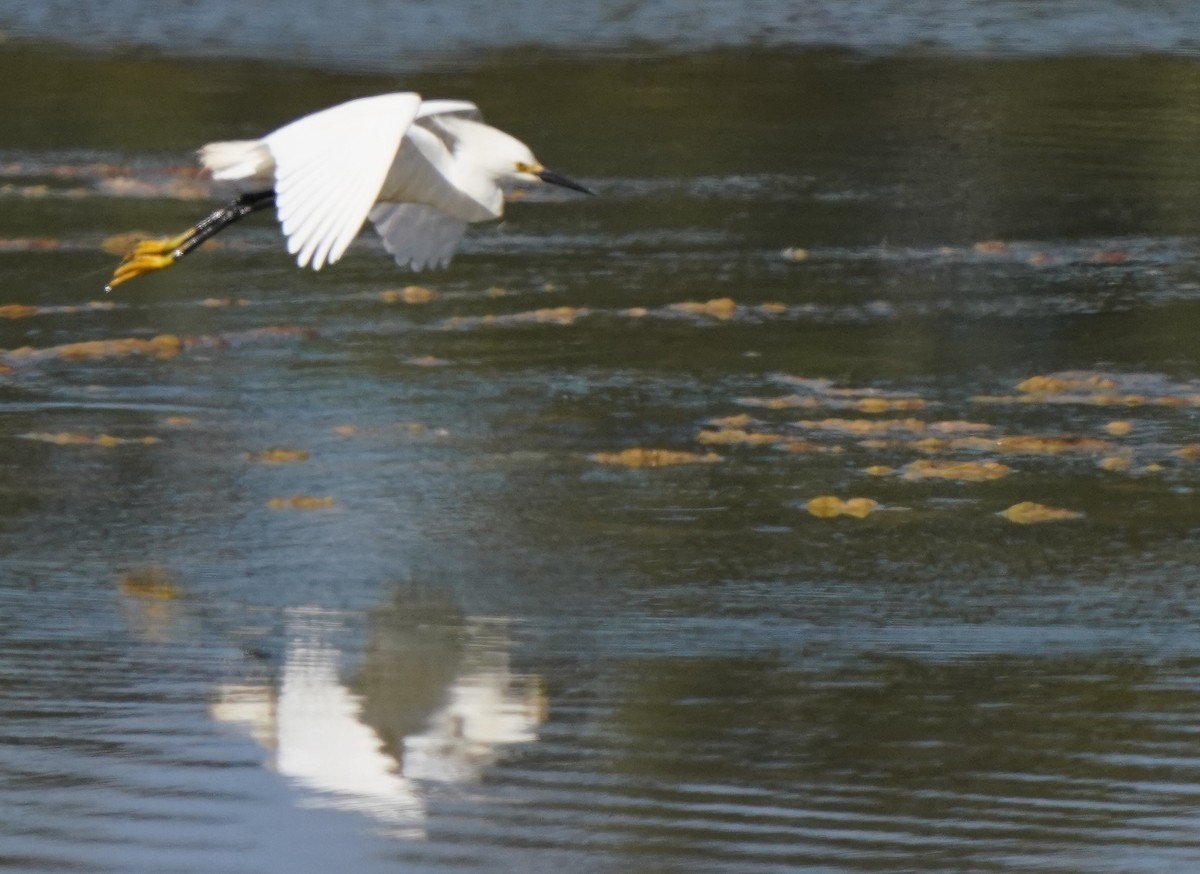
(481, 189)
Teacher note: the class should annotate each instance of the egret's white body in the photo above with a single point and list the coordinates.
(421, 170)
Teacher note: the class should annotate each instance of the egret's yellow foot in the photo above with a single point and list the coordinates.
(159, 247)
(148, 256)
(136, 265)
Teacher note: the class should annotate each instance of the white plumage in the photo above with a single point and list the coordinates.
(420, 170)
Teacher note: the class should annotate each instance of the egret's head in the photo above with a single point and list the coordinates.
(513, 165)
(503, 159)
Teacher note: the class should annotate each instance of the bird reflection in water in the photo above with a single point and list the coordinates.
(433, 702)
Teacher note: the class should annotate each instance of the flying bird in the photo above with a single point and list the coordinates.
(420, 170)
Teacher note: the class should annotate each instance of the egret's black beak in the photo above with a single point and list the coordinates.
(555, 179)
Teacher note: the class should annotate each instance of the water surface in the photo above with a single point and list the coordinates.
(474, 646)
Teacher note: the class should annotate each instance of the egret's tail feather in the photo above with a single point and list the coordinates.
(238, 159)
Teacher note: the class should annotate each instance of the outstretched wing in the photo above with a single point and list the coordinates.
(461, 108)
(416, 235)
(329, 168)
(438, 117)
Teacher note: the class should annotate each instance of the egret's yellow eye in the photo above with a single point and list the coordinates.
(522, 167)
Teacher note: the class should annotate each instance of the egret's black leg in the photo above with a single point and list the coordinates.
(222, 218)
(150, 255)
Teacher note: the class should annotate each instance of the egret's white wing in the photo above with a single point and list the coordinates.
(428, 171)
(439, 117)
(329, 168)
(463, 108)
(417, 235)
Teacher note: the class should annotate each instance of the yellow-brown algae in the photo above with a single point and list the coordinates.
(278, 456)
(1049, 384)
(301, 502)
(564, 315)
(1034, 444)
(719, 308)
(18, 311)
(783, 402)
(153, 583)
(61, 438)
(864, 426)
(807, 447)
(1119, 428)
(553, 315)
(638, 457)
(72, 438)
(885, 405)
(859, 508)
(1116, 400)
(163, 346)
(30, 244)
(740, 420)
(825, 506)
(962, 471)
(831, 506)
(1030, 513)
(931, 445)
(733, 436)
(413, 294)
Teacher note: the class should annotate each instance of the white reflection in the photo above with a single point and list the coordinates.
(318, 732)
(484, 710)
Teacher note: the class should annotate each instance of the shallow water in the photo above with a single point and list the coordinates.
(479, 647)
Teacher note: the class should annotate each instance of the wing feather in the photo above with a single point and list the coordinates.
(339, 226)
(325, 226)
(463, 108)
(330, 167)
(416, 235)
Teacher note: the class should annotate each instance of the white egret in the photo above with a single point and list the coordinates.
(420, 170)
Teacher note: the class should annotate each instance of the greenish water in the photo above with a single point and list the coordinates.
(486, 650)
